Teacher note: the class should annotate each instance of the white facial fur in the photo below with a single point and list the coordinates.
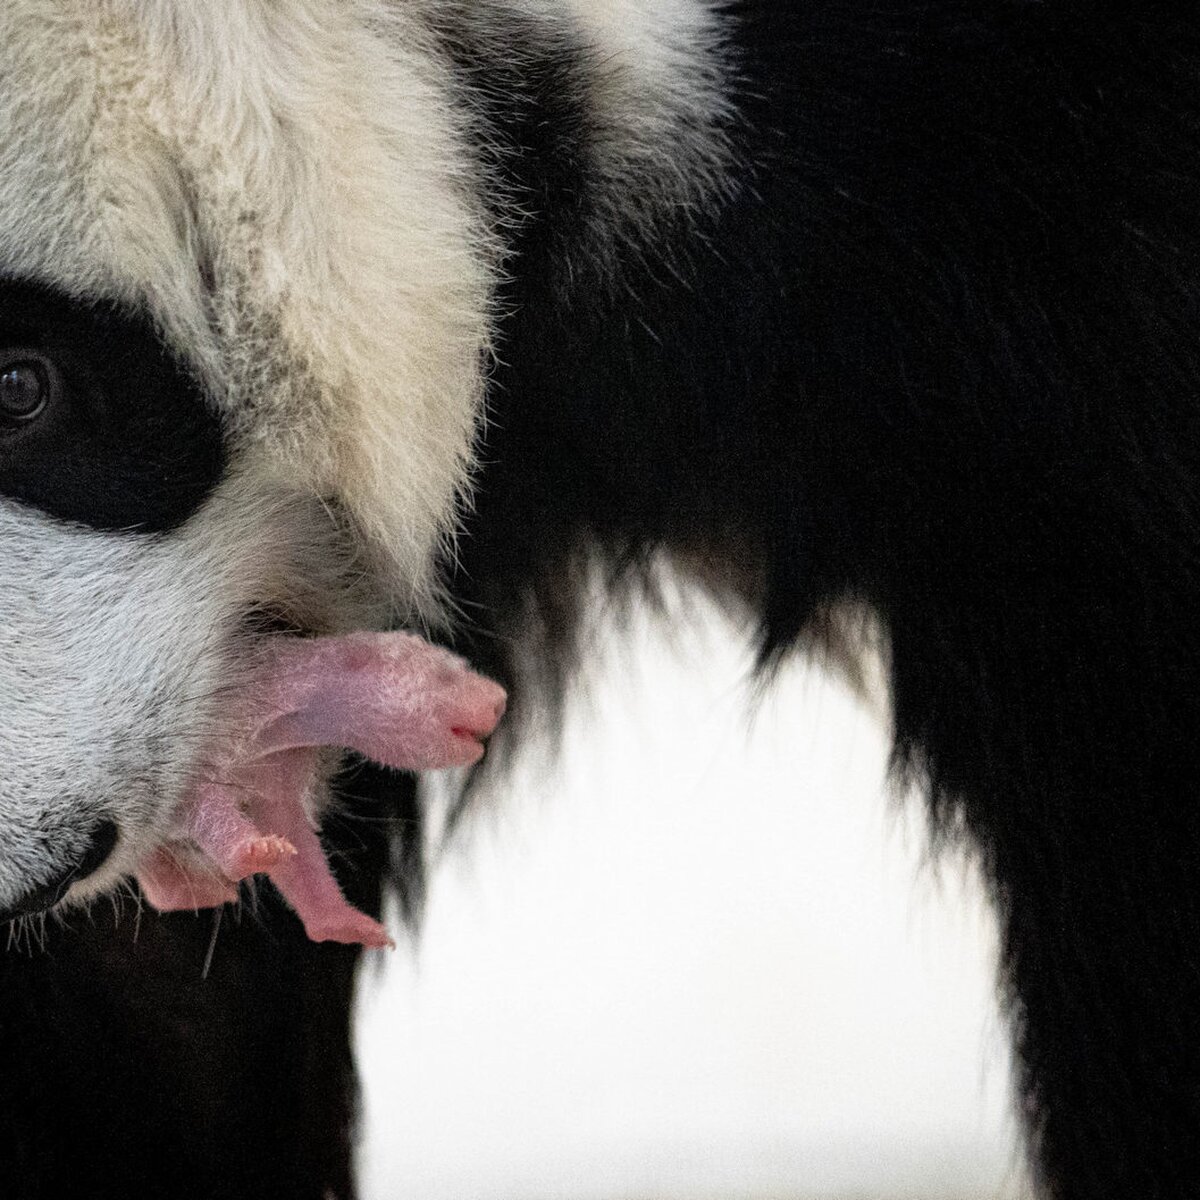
(285, 188)
(120, 654)
(282, 185)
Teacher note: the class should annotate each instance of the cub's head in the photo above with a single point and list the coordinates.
(243, 294)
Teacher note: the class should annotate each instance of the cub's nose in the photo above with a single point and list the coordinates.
(46, 895)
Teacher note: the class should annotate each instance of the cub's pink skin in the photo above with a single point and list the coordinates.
(391, 696)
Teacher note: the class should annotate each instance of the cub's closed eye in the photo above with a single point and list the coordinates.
(29, 383)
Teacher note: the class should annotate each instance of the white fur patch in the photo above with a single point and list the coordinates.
(656, 75)
(660, 94)
(283, 186)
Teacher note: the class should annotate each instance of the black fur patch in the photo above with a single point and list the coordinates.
(940, 353)
(131, 443)
(191, 1055)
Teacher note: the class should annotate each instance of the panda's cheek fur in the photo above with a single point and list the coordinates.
(120, 655)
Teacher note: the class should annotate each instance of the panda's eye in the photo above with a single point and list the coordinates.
(29, 383)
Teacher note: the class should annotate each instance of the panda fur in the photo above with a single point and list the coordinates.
(408, 311)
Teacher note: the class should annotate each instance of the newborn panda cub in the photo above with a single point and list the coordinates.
(392, 697)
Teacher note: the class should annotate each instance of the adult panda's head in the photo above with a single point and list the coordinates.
(243, 292)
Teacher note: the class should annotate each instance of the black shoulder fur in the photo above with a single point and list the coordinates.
(938, 353)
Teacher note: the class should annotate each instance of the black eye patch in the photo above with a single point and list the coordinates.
(99, 423)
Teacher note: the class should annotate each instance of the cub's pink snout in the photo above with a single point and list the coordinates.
(392, 697)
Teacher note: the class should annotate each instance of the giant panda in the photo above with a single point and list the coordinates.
(330, 317)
